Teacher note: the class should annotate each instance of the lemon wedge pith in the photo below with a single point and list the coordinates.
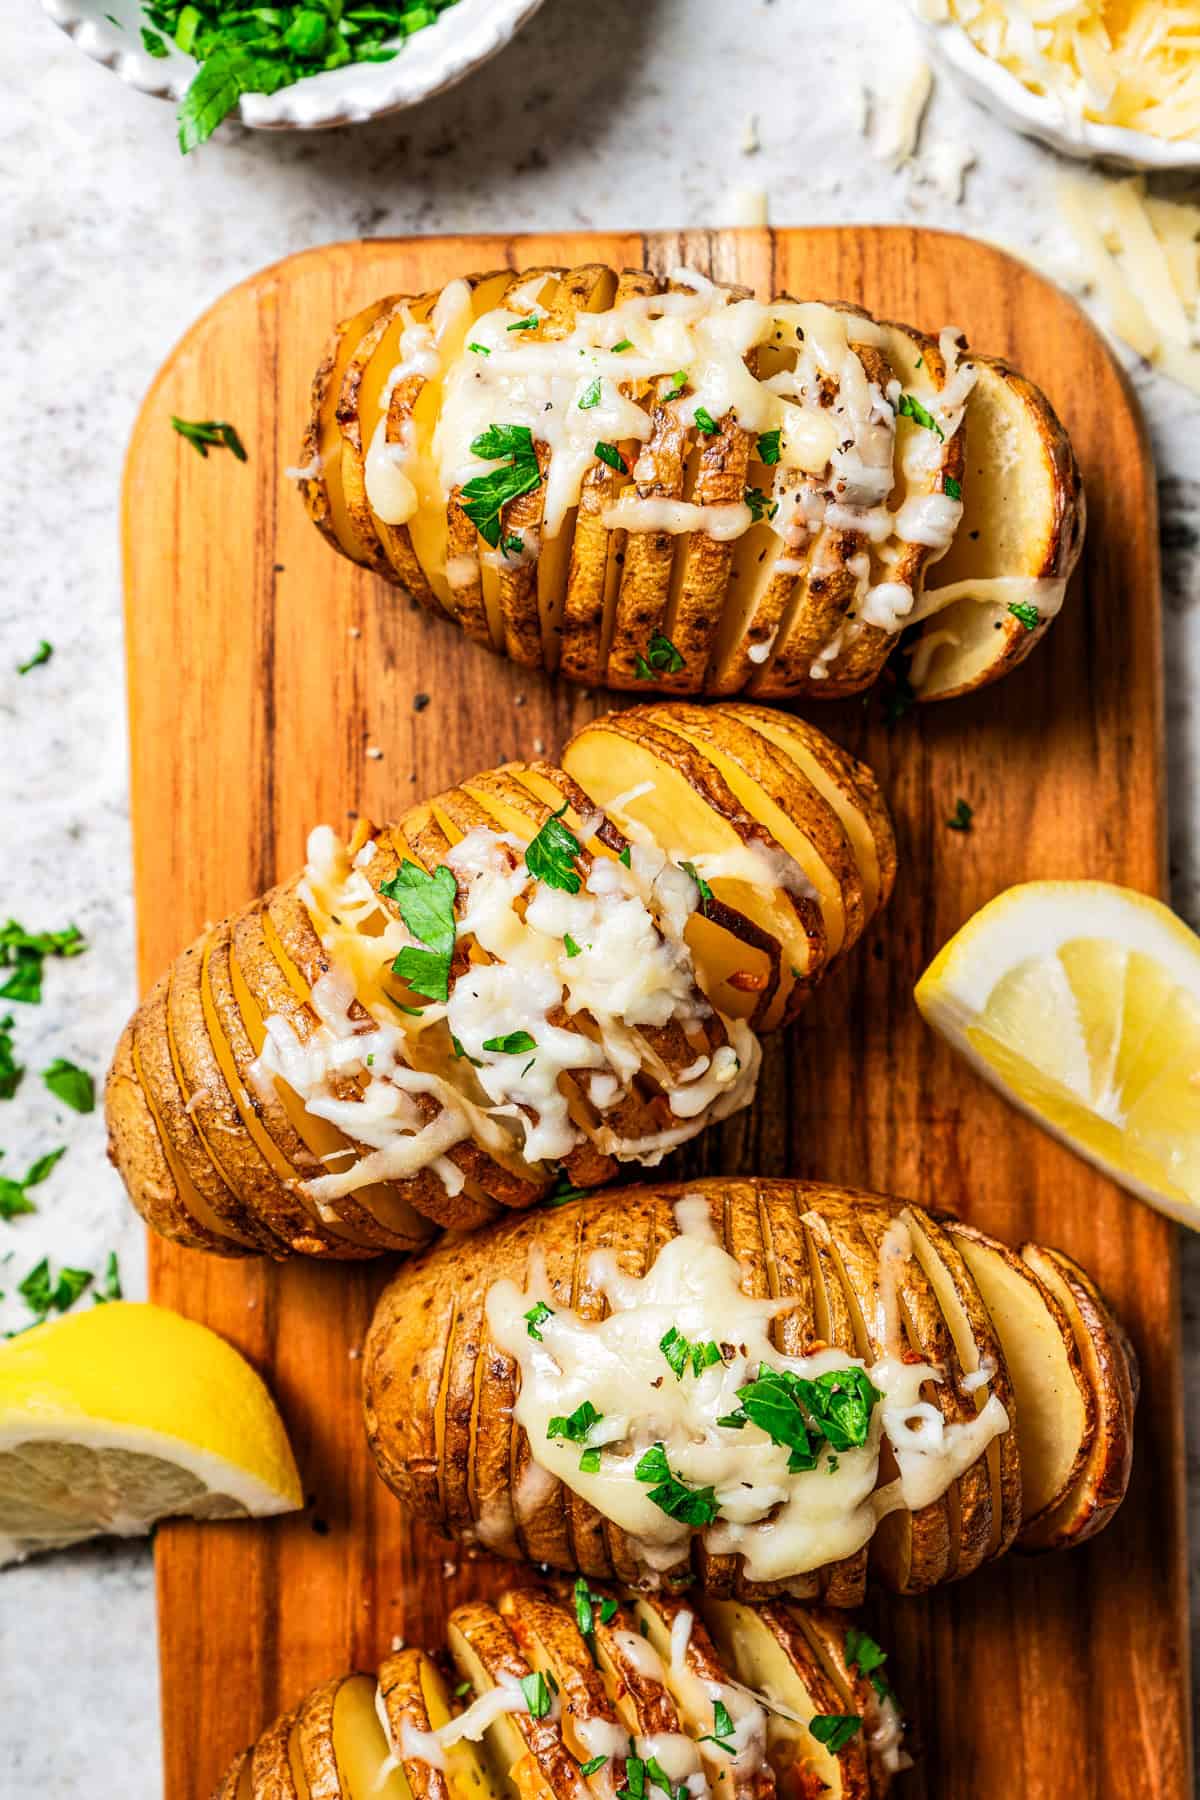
(1080, 1001)
(113, 1419)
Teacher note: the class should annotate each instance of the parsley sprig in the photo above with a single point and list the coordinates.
(681, 1353)
(426, 904)
(661, 658)
(550, 856)
(909, 407)
(210, 434)
(804, 1415)
(484, 498)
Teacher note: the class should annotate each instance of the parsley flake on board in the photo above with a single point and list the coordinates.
(694, 1506)
(768, 446)
(680, 1352)
(706, 893)
(70, 1084)
(1026, 613)
(41, 655)
(537, 1315)
(426, 904)
(722, 1732)
(550, 856)
(110, 1287)
(909, 407)
(24, 952)
(485, 497)
(514, 1043)
(608, 453)
(960, 819)
(661, 658)
(210, 434)
(834, 1730)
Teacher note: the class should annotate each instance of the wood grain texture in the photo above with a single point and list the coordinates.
(261, 669)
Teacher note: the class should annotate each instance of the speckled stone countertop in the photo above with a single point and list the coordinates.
(638, 113)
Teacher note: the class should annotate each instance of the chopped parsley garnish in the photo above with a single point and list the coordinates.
(952, 488)
(722, 1732)
(72, 1085)
(803, 1415)
(536, 1690)
(513, 1043)
(909, 407)
(706, 893)
(537, 1315)
(562, 1193)
(43, 1294)
(152, 44)
(1026, 613)
(529, 324)
(24, 952)
(694, 1506)
(589, 1462)
(705, 422)
(41, 655)
(11, 1070)
(680, 1352)
(900, 698)
(479, 349)
(589, 1606)
(570, 946)
(512, 544)
(460, 1052)
(834, 1730)
(768, 446)
(590, 396)
(110, 1287)
(426, 904)
(591, 1765)
(550, 856)
(865, 1655)
(608, 453)
(625, 344)
(677, 382)
(661, 658)
(484, 498)
(574, 1426)
(462, 1690)
(14, 1195)
(626, 856)
(960, 819)
(761, 507)
(206, 434)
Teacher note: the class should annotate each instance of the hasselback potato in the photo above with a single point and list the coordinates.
(577, 1694)
(763, 1386)
(668, 485)
(543, 972)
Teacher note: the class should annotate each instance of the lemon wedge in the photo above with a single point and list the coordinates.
(113, 1419)
(1080, 1001)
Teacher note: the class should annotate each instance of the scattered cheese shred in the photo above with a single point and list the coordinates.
(1130, 63)
(1141, 258)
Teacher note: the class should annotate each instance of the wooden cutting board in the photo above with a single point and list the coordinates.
(265, 674)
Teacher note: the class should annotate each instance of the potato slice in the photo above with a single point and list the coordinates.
(415, 1698)
(236, 1782)
(550, 1640)
(529, 1748)
(697, 1677)
(1054, 1406)
(344, 1749)
(771, 1655)
(271, 1775)
(321, 452)
(1110, 1367)
(1023, 517)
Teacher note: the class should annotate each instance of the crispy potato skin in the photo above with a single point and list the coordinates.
(430, 1335)
(590, 607)
(596, 1678)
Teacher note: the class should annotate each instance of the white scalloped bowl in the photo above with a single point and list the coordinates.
(466, 35)
(996, 88)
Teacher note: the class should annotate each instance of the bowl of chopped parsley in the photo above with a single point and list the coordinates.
(301, 65)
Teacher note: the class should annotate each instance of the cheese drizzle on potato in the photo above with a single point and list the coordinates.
(633, 480)
(786, 1512)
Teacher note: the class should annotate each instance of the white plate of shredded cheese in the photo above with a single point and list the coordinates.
(1089, 78)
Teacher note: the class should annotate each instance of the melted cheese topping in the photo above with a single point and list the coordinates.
(1130, 63)
(631, 972)
(573, 388)
(783, 1523)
